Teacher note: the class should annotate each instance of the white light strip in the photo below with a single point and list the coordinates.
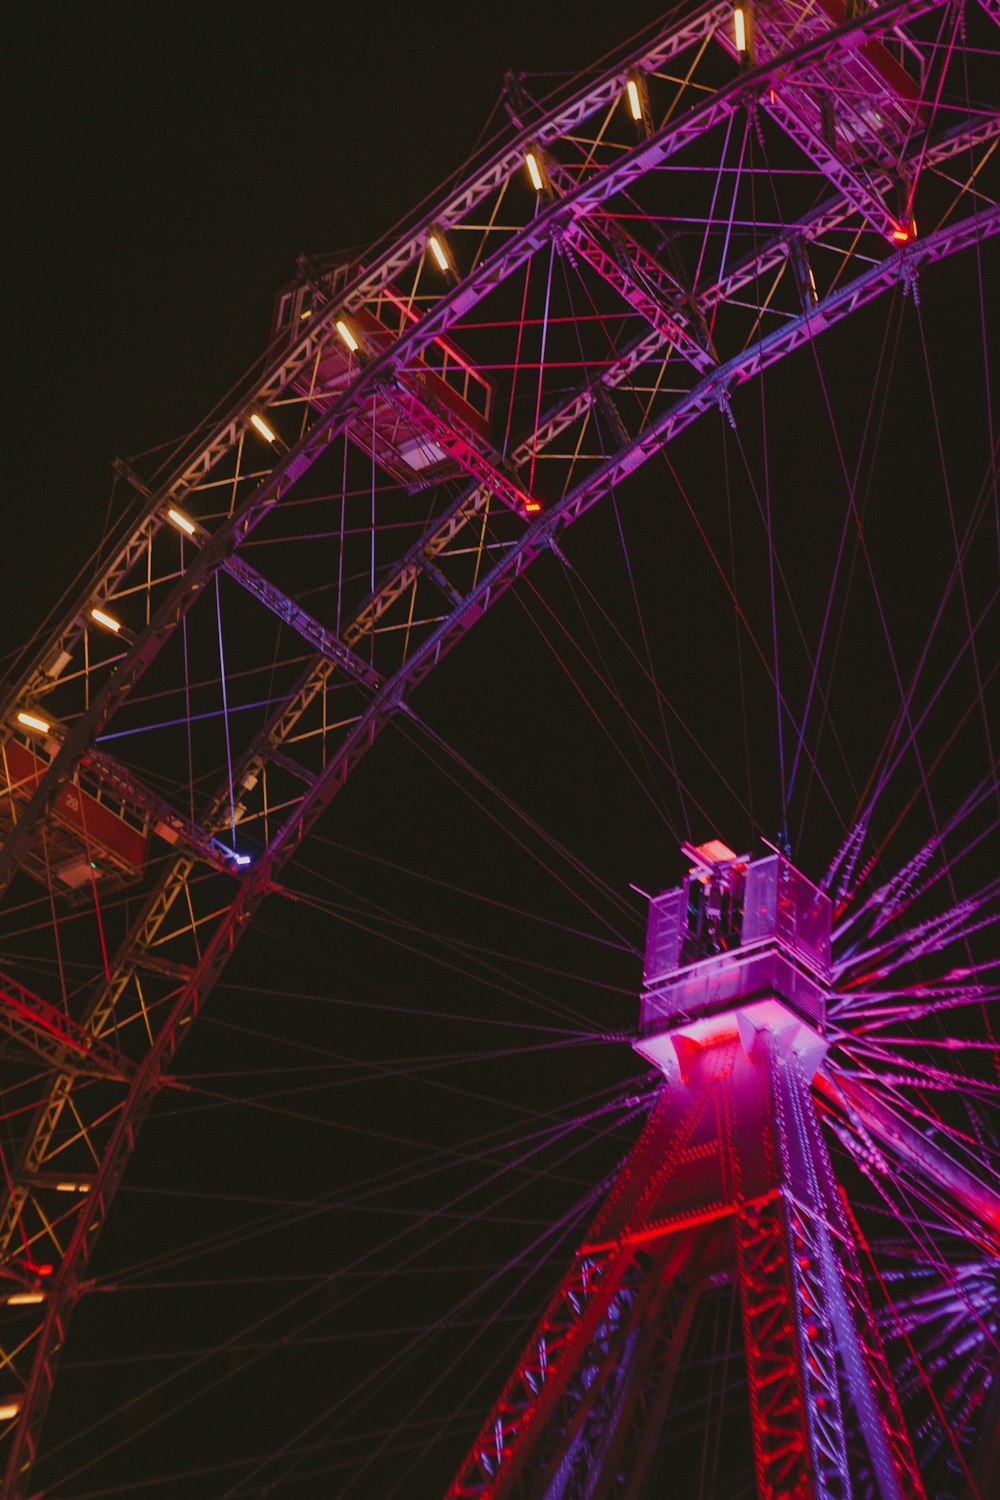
(437, 250)
(32, 721)
(347, 336)
(108, 621)
(180, 519)
(262, 427)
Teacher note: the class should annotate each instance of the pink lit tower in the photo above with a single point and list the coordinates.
(725, 1215)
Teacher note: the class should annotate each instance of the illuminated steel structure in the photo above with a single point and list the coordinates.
(730, 1179)
(384, 355)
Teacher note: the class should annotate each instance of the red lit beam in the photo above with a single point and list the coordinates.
(641, 281)
(40, 1028)
(470, 454)
(959, 1189)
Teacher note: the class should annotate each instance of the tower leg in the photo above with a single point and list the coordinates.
(731, 1178)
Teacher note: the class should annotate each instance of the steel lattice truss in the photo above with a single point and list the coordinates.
(730, 1179)
(875, 185)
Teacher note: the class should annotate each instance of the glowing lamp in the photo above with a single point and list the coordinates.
(108, 621)
(740, 25)
(9, 1409)
(181, 521)
(531, 506)
(347, 336)
(534, 171)
(25, 1299)
(438, 252)
(72, 1187)
(33, 721)
(634, 101)
(262, 427)
(900, 235)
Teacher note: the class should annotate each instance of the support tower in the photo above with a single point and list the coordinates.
(729, 1189)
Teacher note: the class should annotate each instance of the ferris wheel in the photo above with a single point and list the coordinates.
(707, 301)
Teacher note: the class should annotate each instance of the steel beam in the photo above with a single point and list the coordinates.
(958, 1191)
(53, 1036)
(735, 1140)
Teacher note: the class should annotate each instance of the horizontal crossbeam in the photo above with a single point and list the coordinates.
(51, 1035)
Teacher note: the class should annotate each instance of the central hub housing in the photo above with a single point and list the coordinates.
(740, 946)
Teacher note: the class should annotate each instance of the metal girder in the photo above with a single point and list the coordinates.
(832, 214)
(53, 1036)
(642, 283)
(818, 1222)
(630, 1455)
(589, 1298)
(637, 276)
(582, 1450)
(864, 191)
(63, 1289)
(676, 37)
(745, 366)
(855, 166)
(647, 156)
(582, 199)
(209, 558)
(798, 1421)
(166, 821)
(731, 1157)
(957, 1190)
(773, 255)
(325, 642)
(706, 396)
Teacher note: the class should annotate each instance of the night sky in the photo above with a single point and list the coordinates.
(312, 1200)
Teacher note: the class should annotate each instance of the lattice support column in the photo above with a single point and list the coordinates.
(799, 1445)
(730, 1182)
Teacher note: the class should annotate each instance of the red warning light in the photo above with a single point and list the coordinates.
(531, 506)
(900, 235)
(35, 1269)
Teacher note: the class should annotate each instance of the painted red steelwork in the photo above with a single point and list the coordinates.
(730, 1180)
